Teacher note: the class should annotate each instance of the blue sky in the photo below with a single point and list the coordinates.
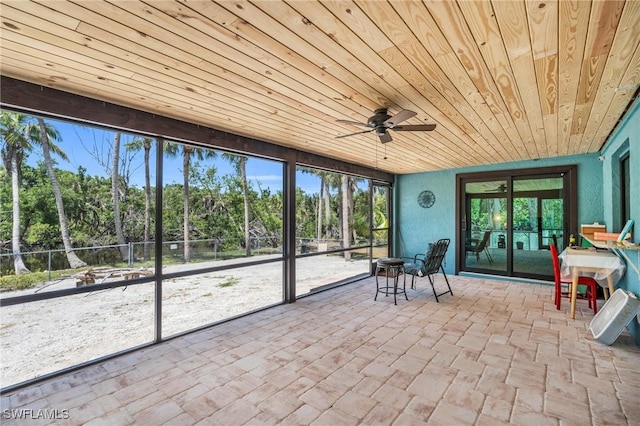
(90, 147)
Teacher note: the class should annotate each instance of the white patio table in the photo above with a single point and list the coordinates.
(604, 266)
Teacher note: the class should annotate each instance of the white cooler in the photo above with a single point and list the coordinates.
(617, 312)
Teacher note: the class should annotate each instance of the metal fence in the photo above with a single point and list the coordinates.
(133, 253)
(173, 251)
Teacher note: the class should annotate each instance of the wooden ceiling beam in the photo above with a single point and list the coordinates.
(35, 99)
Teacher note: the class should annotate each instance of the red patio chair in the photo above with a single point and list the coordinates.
(591, 285)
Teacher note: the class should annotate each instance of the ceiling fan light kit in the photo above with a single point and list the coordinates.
(380, 122)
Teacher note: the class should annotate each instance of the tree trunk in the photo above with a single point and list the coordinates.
(319, 214)
(346, 231)
(327, 209)
(245, 193)
(532, 204)
(115, 193)
(147, 201)
(74, 261)
(186, 155)
(18, 263)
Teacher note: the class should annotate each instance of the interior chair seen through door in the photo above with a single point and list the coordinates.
(477, 247)
(563, 284)
(429, 264)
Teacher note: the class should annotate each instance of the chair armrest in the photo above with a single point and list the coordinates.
(415, 259)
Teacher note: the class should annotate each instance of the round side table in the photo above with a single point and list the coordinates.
(391, 267)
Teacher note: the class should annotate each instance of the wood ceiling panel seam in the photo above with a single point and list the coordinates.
(573, 16)
(603, 21)
(287, 69)
(543, 30)
(512, 21)
(449, 110)
(295, 85)
(455, 30)
(64, 54)
(45, 50)
(152, 64)
(546, 70)
(32, 31)
(438, 115)
(629, 84)
(379, 16)
(484, 27)
(258, 38)
(161, 98)
(43, 11)
(330, 70)
(161, 109)
(626, 37)
(342, 36)
(344, 80)
(467, 110)
(275, 29)
(284, 71)
(437, 120)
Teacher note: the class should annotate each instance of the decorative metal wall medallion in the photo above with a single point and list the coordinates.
(426, 199)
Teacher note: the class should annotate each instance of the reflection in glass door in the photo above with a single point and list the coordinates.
(486, 226)
(538, 216)
(507, 219)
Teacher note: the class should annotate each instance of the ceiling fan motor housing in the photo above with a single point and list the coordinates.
(376, 121)
(380, 130)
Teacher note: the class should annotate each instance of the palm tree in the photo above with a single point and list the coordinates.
(136, 144)
(14, 145)
(44, 134)
(240, 164)
(172, 149)
(115, 194)
(347, 214)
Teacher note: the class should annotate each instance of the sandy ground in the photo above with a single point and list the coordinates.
(42, 337)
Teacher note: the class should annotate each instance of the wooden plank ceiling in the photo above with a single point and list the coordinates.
(502, 80)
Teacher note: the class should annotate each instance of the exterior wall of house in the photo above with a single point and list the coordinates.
(625, 139)
(417, 226)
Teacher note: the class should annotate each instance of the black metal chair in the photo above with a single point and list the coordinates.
(429, 264)
(477, 247)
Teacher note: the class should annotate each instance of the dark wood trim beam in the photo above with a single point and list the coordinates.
(36, 99)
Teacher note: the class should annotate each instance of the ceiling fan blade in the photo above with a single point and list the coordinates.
(405, 114)
(385, 137)
(356, 133)
(354, 123)
(414, 127)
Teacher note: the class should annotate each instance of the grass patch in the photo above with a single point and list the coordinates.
(231, 281)
(33, 279)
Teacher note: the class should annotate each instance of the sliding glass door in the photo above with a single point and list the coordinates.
(538, 212)
(506, 220)
(485, 229)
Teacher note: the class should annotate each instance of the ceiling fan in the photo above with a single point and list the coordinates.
(501, 188)
(381, 121)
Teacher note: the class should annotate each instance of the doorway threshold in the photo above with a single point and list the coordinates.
(503, 278)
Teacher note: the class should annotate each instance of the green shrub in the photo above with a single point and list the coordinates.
(20, 282)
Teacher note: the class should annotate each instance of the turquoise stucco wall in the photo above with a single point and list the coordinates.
(418, 226)
(598, 200)
(625, 139)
